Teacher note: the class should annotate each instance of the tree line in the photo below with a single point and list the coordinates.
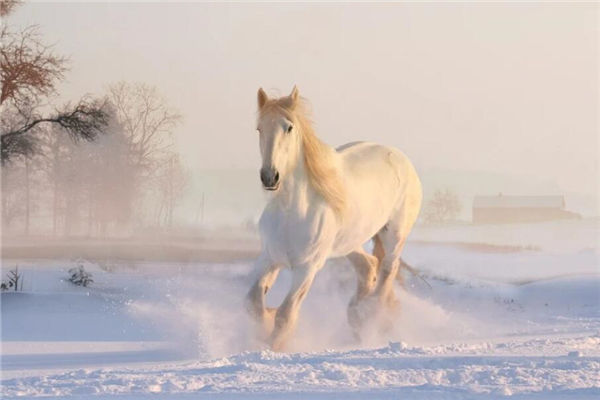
(101, 165)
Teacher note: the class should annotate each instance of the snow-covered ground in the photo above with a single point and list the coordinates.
(520, 321)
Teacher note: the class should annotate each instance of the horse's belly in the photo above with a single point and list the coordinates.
(345, 248)
(360, 226)
(348, 240)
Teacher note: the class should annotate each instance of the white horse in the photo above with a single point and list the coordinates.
(327, 203)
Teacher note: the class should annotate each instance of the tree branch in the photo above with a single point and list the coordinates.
(85, 121)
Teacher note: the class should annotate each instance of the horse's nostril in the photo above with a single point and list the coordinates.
(269, 177)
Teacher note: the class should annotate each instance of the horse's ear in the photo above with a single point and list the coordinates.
(292, 100)
(295, 94)
(262, 98)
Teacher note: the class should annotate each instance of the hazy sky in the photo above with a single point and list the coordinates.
(509, 88)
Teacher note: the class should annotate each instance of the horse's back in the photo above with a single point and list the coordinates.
(382, 184)
(378, 170)
(364, 156)
(343, 147)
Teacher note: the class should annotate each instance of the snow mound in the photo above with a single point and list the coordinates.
(464, 370)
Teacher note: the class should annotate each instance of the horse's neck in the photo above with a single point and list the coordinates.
(297, 191)
(296, 187)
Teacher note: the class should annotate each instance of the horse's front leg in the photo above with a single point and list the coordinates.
(255, 299)
(287, 313)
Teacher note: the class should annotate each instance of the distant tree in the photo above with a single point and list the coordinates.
(92, 183)
(171, 182)
(126, 151)
(56, 148)
(13, 195)
(22, 181)
(30, 71)
(148, 124)
(110, 190)
(147, 121)
(444, 206)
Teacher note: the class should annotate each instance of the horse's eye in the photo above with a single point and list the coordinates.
(289, 128)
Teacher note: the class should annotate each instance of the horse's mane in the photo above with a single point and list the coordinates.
(323, 173)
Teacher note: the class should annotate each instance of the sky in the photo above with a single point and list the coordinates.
(509, 89)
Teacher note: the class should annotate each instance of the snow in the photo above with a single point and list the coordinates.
(499, 368)
(496, 322)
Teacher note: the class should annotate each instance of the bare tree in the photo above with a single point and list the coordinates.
(30, 71)
(90, 184)
(13, 194)
(8, 6)
(444, 206)
(111, 193)
(147, 120)
(30, 68)
(171, 182)
(97, 181)
(86, 120)
(56, 147)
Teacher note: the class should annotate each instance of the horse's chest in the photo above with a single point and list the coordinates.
(291, 238)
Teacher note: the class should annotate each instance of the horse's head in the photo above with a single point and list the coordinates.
(279, 137)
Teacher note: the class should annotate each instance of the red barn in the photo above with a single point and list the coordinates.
(510, 209)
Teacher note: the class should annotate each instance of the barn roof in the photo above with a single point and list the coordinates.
(501, 201)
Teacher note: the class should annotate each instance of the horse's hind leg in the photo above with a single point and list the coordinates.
(255, 299)
(393, 243)
(366, 274)
(393, 237)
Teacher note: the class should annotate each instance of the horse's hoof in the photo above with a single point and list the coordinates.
(278, 345)
(270, 313)
(356, 336)
(267, 323)
(264, 323)
(359, 313)
(392, 304)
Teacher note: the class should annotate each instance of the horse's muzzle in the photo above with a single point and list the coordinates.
(269, 178)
